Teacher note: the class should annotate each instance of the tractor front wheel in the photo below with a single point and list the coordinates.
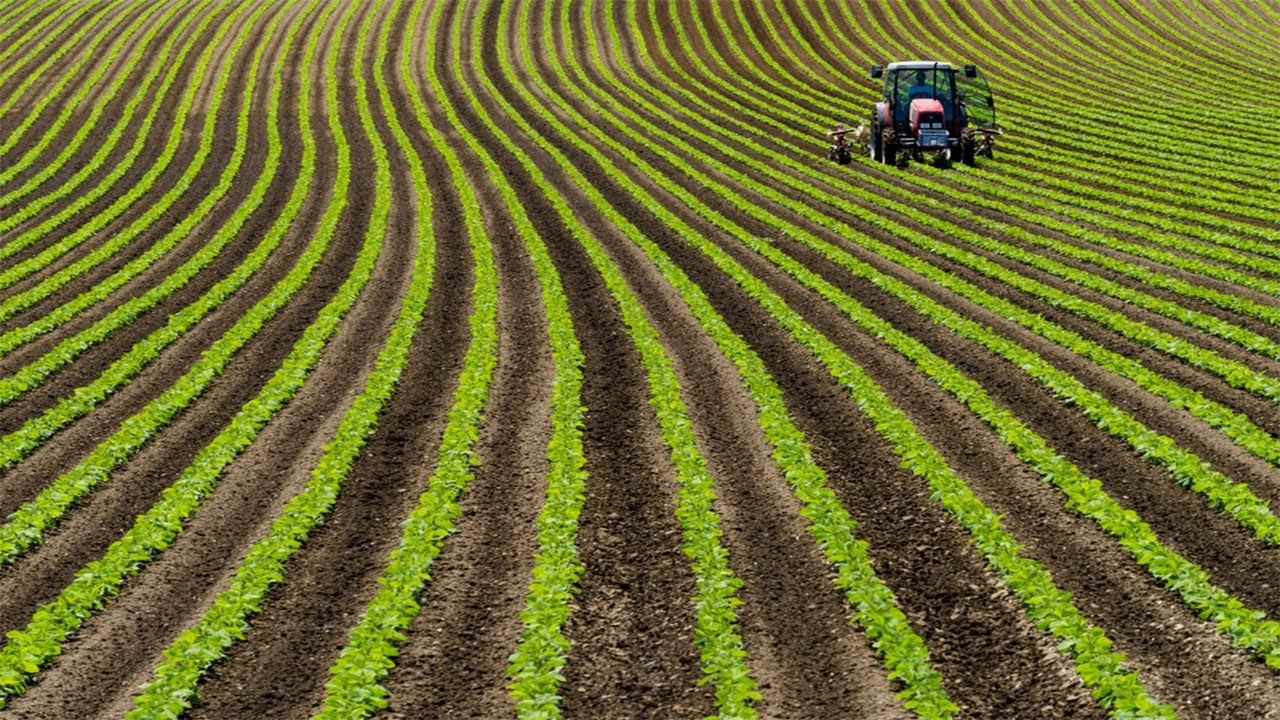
(888, 147)
(967, 147)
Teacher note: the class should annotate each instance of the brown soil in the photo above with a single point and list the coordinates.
(632, 623)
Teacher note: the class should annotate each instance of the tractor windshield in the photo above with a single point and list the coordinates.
(934, 83)
(976, 98)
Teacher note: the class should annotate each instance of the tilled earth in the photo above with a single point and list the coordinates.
(653, 103)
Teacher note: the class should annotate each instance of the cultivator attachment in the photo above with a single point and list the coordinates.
(846, 143)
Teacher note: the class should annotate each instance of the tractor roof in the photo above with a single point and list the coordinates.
(918, 65)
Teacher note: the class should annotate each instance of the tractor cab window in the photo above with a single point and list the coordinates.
(925, 83)
(975, 98)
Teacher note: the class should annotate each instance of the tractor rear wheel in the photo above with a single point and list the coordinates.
(967, 147)
(888, 147)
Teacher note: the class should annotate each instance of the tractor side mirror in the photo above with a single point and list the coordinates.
(971, 71)
(876, 71)
(991, 102)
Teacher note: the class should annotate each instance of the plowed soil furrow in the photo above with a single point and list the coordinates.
(453, 661)
(1229, 686)
(130, 491)
(724, 139)
(187, 577)
(126, 45)
(1256, 407)
(181, 24)
(32, 57)
(1158, 321)
(1148, 624)
(631, 628)
(895, 547)
(280, 669)
(154, 147)
(1074, 429)
(66, 447)
(89, 365)
(1209, 443)
(808, 657)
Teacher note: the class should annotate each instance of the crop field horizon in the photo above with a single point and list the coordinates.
(452, 358)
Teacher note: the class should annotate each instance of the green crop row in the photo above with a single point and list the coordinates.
(1208, 323)
(1088, 121)
(1233, 372)
(14, 219)
(1087, 111)
(1072, 199)
(21, 442)
(1188, 469)
(715, 626)
(1247, 628)
(32, 374)
(175, 679)
(1136, 271)
(63, 14)
(22, 300)
(1091, 138)
(991, 199)
(89, 85)
(76, 41)
(1120, 689)
(1185, 194)
(542, 648)
(155, 63)
(1235, 425)
(13, 18)
(831, 525)
(354, 691)
(30, 648)
(1088, 140)
(26, 525)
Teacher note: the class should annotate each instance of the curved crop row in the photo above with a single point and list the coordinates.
(73, 42)
(26, 526)
(155, 61)
(1234, 372)
(832, 527)
(175, 679)
(1189, 470)
(715, 630)
(154, 212)
(19, 443)
(30, 648)
(1114, 686)
(32, 374)
(15, 219)
(1184, 466)
(91, 84)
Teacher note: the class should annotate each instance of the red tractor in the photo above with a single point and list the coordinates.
(928, 110)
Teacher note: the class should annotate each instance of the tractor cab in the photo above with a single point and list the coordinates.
(929, 107)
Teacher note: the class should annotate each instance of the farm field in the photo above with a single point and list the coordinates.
(450, 358)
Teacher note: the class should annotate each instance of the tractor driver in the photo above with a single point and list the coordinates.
(921, 88)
